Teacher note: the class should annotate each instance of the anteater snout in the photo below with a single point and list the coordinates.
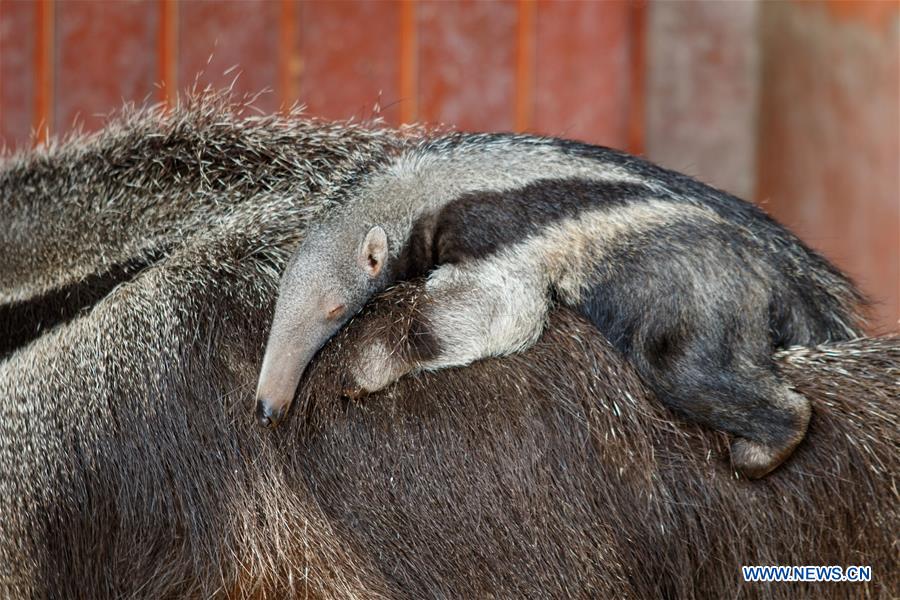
(268, 413)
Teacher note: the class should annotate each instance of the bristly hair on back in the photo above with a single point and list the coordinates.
(130, 466)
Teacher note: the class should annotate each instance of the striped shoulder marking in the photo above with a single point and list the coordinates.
(478, 224)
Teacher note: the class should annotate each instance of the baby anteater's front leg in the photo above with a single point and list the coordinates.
(468, 311)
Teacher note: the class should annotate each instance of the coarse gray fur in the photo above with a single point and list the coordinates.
(697, 288)
(131, 259)
(129, 466)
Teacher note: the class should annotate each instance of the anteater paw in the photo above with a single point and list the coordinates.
(754, 460)
(374, 369)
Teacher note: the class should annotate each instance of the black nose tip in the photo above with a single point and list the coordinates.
(266, 415)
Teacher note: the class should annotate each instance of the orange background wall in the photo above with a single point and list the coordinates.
(829, 147)
(791, 104)
(478, 65)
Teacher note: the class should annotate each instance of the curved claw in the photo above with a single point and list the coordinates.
(354, 392)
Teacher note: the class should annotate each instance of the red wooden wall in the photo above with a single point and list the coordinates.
(556, 67)
(793, 104)
(829, 147)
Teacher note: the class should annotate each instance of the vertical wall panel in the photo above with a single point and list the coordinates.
(227, 42)
(18, 23)
(106, 53)
(583, 71)
(467, 57)
(409, 62)
(350, 53)
(828, 138)
(703, 85)
(637, 99)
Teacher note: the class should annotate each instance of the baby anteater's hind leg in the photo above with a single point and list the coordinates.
(767, 418)
(758, 453)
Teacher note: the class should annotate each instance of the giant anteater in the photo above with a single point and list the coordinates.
(138, 277)
(696, 287)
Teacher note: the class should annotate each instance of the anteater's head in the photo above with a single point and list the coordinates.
(329, 279)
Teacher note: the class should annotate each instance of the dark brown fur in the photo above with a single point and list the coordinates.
(130, 465)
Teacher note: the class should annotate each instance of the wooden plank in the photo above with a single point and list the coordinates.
(828, 144)
(350, 53)
(167, 50)
(409, 62)
(583, 71)
(289, 64)
(18, 28)
(525, 49)
(637, 94)
(702, 82)
(234, 43)
(106, 53)
(467, 64)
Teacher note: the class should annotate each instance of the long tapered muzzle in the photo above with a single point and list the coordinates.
(278, 380)
(268, 414)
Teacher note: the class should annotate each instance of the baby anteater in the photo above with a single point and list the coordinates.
(696, 287)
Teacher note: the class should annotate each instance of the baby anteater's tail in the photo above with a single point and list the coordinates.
(823, 305)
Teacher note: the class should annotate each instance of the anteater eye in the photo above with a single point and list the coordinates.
(336, 312)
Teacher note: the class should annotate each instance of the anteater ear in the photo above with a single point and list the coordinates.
(373, 252)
